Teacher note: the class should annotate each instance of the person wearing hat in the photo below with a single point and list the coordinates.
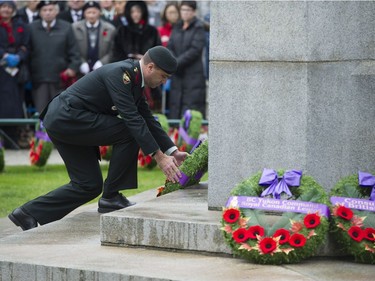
(105, 107)
(134, 39)
(94, 37)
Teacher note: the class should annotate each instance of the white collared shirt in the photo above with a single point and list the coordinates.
(95, 25)
(109, 14)
(30, 14)
(76, 15)
(143, 80)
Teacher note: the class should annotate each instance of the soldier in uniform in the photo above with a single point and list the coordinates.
(105, 107)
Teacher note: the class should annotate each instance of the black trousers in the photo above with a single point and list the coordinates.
(80, 154)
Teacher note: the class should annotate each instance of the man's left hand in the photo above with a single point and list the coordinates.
(179, 156)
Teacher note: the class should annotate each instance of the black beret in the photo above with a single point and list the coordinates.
(91, 4)
(163, 58)
(41, 4)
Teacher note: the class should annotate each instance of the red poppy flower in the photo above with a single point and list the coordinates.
(231, 215)
(356, 233)
(105, 33)
(369, 233)
(20, 29)
(267, 245)
(255, 230)
(311, 220)
(148, 159)
(283, 234)
(240, 235)
(297, 240)
(344, 212)
(103, 150)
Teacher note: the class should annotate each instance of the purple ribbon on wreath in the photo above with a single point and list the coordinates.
(183, 130)
(40, 134)
(367, 180)
(275, 187)
(185, 178)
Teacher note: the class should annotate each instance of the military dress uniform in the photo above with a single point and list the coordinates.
(105, 107)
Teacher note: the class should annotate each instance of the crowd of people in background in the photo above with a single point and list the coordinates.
(45, 46)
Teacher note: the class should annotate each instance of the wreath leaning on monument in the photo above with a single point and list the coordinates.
(296, 235)
(353, 216)
(192, 169)
(40, 146)
(190, 127)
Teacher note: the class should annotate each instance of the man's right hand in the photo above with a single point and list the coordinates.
(169, 166)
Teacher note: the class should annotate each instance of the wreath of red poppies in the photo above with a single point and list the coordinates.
(294, 236)
(40, 146)
(353, 216)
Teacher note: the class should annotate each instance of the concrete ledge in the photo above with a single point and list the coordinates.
(178, 220)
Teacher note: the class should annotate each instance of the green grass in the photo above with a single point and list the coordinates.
(19, 184)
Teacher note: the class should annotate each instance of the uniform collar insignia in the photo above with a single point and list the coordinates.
(126, 78)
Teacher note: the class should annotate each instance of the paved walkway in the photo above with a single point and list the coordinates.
(21, 157)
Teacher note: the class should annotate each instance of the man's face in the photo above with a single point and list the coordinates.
(106, 4)
(48, 13)
(154, 76)
(76, 5)
(6, 11)
(119, 6)
(187, 13)
(92, 15)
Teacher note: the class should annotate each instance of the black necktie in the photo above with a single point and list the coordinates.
(78, 16)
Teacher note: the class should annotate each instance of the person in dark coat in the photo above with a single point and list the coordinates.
(105, 107)
(134, 39)
(54, 54)
(73, 13)
(188, 84)
(29, 12)
(14, 51)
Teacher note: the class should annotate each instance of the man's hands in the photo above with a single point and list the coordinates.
(169, 164)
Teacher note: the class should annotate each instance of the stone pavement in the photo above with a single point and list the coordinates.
(21, 157)
(71, 249)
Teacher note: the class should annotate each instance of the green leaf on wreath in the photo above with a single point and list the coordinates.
(256, 216)
(350, 191)
(284, 222)
(310, 196)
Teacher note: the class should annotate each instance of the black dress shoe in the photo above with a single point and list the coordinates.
(20, 218)
(113, 204)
